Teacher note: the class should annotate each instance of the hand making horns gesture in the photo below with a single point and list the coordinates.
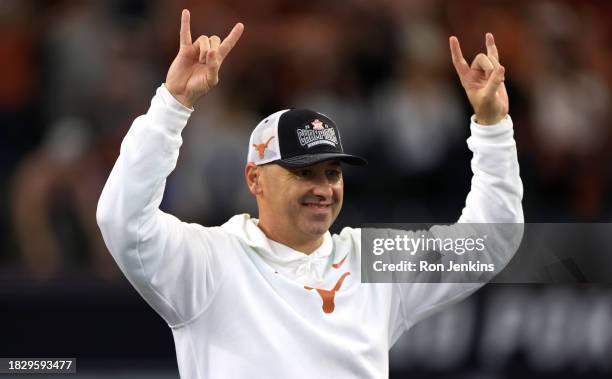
(195, 70)
(483, 81)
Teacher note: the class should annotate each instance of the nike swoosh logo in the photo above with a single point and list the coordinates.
(337, 265)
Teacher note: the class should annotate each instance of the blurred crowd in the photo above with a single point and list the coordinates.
(75, 73)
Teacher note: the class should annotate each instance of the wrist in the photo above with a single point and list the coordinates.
(177, 100)
(488, 120)
(184, 99)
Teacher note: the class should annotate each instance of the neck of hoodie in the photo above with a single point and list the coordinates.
(303, 245)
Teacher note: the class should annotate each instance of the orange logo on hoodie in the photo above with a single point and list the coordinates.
(261, 147)
(337, 265)
(328, 295)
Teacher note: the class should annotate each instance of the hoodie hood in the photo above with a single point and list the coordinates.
(305, 268)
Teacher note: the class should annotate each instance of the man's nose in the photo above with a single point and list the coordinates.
(322, 187)
(323, 190)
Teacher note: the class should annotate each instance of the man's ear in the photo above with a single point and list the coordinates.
(252, 174)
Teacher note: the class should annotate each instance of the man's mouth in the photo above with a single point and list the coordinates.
(317, 205)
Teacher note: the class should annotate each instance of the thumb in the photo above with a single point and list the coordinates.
(496, 79)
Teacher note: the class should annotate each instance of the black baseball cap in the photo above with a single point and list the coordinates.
(298, 138)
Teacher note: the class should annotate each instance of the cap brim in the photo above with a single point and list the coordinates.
(310, 159)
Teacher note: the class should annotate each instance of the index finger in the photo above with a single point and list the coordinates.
(230, 41)
(185, 34)
(491, 48)
(458, 61)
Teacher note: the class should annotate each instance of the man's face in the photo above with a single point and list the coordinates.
(303, 200)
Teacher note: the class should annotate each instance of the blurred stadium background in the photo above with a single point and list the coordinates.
(76, 73)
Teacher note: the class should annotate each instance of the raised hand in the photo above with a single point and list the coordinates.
(483, 81)
(195, 70)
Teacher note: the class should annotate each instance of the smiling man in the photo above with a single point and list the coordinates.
(297, 177)
(279, 296)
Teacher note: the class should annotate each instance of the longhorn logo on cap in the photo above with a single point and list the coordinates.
(261, 147)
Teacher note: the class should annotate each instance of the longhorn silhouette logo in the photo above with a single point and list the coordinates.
(328, 295)
(261, 147)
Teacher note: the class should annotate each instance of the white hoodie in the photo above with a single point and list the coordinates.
(242, 306)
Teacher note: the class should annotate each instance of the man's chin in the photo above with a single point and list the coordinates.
(318, 228)
(317, 224)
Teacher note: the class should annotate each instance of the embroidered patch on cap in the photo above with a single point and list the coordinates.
(316, 133)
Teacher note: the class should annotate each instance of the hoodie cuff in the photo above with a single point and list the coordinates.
(501, 130)
(167, 112)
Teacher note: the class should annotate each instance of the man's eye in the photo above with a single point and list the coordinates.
(334, 174)
(302, 173)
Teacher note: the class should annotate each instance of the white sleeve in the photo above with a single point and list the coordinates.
(497, 189)
(170, 263)
(495, 197)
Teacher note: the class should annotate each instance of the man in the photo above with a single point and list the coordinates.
(279, 297)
